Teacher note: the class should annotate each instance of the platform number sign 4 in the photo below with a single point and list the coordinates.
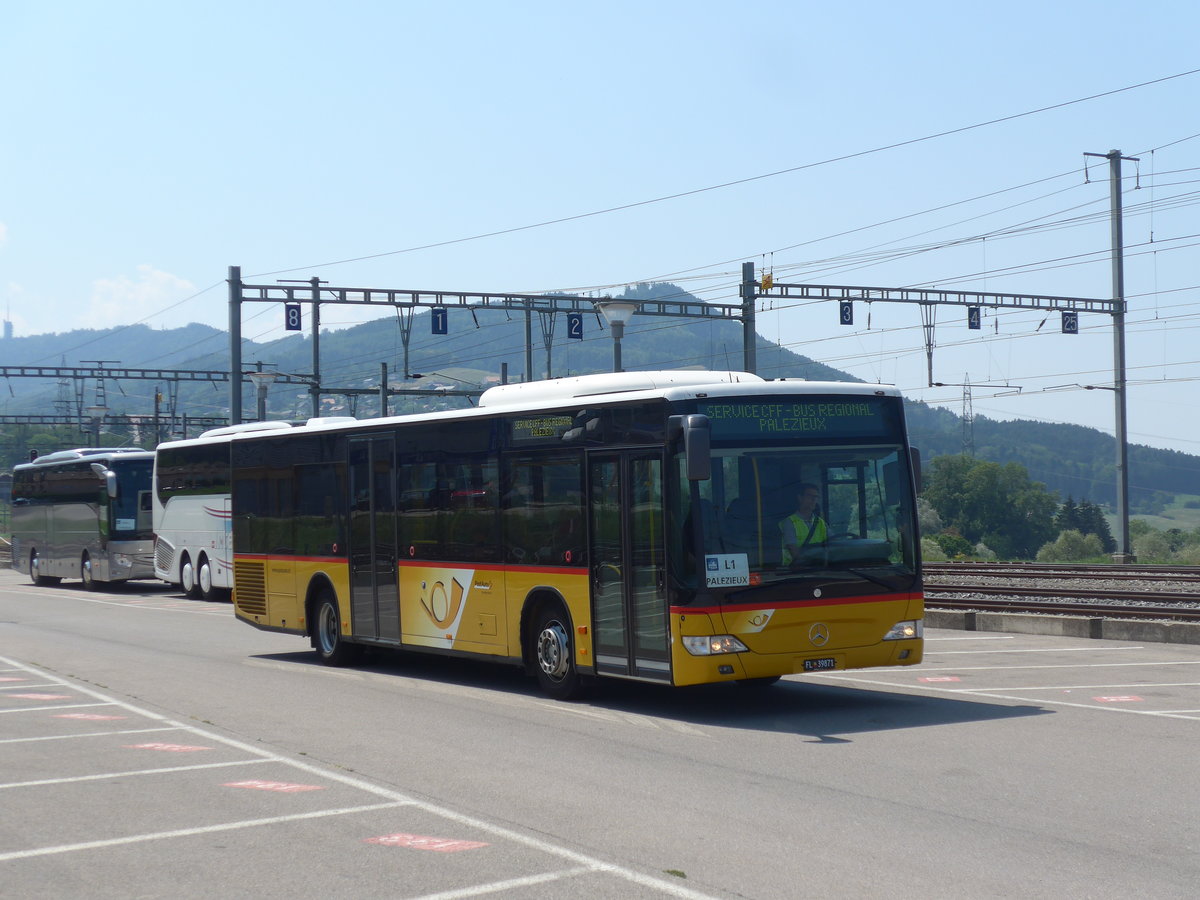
(973, 318)
(1070, 323)
(575, 326)
(439, 320)
(291, 317)
(846, 312)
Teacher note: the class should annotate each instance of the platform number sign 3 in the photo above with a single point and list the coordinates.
(291, 317)
(439, 320)
(846, 312)
(575, 326)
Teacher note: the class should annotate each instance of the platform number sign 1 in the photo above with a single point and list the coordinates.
(575, 326)
(846, 312)
(973, 318)
(438, 320)
(291, 317)
(1070, 323)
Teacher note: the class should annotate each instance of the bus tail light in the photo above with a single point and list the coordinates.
(713, 645)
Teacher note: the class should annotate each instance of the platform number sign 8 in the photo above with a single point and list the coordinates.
(1070, 323)
(291, 317)
(438, 320)
(575, 326)
(846, 312)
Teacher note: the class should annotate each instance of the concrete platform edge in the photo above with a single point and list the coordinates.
(1066, 626)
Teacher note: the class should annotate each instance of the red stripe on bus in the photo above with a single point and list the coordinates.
(795, 604)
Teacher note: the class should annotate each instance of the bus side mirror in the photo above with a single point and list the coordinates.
(697, 448)
(110, 479)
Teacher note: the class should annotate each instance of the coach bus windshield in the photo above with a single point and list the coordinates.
(785, 504)
(130, 511)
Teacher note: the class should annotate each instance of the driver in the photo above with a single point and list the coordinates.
(804, 526)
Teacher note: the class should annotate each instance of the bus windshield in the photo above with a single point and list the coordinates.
(130, 511)
(772, 515)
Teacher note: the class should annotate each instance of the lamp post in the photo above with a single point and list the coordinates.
(262, 382)
(96, 416)
(616, 313)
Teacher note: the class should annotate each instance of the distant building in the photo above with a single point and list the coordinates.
(8, 331)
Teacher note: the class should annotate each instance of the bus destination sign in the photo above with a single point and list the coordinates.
(529, 429)
(817, 416)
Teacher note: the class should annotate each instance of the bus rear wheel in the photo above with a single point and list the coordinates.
(35, 572)
(554, 654)
(204, 581)
(187, 577)
(331, 647)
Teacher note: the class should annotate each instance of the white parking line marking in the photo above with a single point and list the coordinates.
(1082, 687)
(1030, 650)
(109, 775)
(192, 832)
(68, 737)
(496, 886)
(24, 709)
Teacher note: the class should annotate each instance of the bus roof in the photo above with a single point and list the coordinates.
(534, 396)
(64, 456)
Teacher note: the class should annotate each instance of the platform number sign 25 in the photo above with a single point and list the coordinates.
(291, 317)
(1070, 323)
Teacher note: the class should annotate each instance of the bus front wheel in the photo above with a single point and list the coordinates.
(35, 572)
(332, 648)
(554, 653)
(85, 573)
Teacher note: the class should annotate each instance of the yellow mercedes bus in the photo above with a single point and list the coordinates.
(629, 526)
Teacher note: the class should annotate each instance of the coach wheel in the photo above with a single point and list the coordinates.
(333, 649)
(85, 573)
(554, 654)
(204, 580)
(187, 577)
(35, 571)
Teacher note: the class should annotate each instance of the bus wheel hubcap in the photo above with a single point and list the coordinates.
(552, 650)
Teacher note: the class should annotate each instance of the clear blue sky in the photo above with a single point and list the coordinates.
(148, 146)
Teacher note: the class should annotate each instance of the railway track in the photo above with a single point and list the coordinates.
(1130, 592)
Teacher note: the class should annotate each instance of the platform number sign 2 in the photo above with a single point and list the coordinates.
(438, 320)
(1070, 323)
(846, 312)
(291, 317)
(575, 326)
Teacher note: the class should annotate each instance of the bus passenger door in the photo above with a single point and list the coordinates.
(627, 565)
(374, 599)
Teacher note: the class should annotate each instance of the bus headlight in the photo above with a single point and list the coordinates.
(904, 631)
(713, 645)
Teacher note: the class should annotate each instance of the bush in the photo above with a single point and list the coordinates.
(1071, 546)
(953, 545)
(930, 551)
(984, 552)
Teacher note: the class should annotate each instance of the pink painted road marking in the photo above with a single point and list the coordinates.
(940, 678)
(419, 842)
(1128, 698)
(42, 696)
(170, 748)
(283, 787)
(11, 678)
(91, 717)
